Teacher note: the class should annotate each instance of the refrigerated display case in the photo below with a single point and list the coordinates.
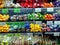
(19, 18)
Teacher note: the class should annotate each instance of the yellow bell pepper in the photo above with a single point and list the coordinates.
(35, 27)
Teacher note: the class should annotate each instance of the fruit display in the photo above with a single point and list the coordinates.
(35, 28)
(19, 17)
(4, 17)
(39, 16)
(30, 3)
(27, 3)
(49, 17)
(39, 3)
(36, 16)
(57, 16)
(29, 17)
(13, 26)
(1, 3)
(46, 5)
(35, 3)
(29, 26)
(9, 3)
(4, 28)
(29, 22)
(25, 39)
(56, 3)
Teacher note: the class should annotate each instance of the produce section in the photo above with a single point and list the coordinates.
(29, 3)
(30, 26)
(30, 16)
(28, 39)
(29, 22)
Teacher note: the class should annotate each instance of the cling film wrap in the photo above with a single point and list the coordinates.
(6, 41)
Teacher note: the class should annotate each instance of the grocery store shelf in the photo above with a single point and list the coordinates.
(17, 21)
(49, 32)
(51, 10)
(29, 20)
(19, 11)
(15, 11)
(40, 33)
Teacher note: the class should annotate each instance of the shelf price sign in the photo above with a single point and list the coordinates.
(56, 33)
(5, 10)
(50, 9)
(37, 9)
(17, 10)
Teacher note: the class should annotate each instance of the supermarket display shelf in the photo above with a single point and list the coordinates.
(29, 20)
(16, 21)
(19, 11)
(53, 33)
(40, 33)
(48, 10)
(13, 11)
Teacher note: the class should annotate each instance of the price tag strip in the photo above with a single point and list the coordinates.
(37, 9)
(50, 9)
(56, 33)
(17, 10)
(5, 10)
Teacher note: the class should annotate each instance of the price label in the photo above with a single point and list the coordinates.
(17, 10)
(58, 11)
(50, 9)
(37, 9)
(56, 34)
(5, 10)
